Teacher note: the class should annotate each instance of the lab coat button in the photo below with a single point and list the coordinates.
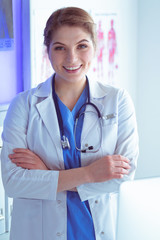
(102, 233)
(96, 201)
(86, 145)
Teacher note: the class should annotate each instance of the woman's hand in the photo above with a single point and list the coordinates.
(27, 159)
(104, 169)
(107, 168)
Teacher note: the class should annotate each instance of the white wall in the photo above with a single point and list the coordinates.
(148, 91)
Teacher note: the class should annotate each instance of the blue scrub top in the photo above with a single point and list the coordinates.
(79, 219)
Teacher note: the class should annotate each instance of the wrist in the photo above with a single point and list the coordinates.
(86, 174)
(72, 178)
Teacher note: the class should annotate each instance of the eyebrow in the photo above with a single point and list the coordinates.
(58, 43)
(83, 40)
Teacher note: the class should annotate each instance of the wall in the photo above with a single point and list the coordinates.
(11, 61)
(148, 87)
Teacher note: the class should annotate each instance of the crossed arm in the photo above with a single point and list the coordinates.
(106, 168)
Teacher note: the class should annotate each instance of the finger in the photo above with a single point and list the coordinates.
(117, 175)
(122, 164)
(20, 155)
(121, 158)
(25, 166)
(23, 160)
(23, 150)
(31, 166)
(121, 171)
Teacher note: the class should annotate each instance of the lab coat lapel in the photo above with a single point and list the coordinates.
(47, 110)
(48, 114)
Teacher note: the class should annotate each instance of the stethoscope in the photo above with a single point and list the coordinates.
(64, 139)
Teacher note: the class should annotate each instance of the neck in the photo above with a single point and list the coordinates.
(69, 92)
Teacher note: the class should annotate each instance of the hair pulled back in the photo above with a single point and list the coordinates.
(70, 16)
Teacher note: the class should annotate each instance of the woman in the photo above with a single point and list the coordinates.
(63, 173)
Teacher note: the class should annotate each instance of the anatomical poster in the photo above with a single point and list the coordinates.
(105, 66)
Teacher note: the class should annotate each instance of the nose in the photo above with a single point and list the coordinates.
(71, 56)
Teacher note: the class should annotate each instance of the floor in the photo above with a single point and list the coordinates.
(4, 236)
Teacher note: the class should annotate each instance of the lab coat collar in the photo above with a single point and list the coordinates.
(96, 89)
(44, 89)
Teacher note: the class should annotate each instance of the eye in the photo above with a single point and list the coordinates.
(59, 48)
(82, 46)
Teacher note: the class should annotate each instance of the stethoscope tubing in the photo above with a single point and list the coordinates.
(89, 149)
(64, 140)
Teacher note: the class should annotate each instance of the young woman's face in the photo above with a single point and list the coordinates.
(71, 52)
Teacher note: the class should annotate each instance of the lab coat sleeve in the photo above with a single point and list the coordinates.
(19, 182)
(127, 145)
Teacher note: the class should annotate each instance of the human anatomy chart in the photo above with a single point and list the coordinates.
(105, 65)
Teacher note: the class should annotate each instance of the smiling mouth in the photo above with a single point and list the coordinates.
(72, 68)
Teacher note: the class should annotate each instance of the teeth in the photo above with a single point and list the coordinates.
(72, 68)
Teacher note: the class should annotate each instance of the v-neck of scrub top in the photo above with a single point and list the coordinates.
(79, 219)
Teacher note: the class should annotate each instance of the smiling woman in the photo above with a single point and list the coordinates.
(70, 52)
(63, 178)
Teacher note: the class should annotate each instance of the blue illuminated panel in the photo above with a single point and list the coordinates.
(11, 80)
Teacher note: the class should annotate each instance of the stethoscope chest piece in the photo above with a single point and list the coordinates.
(65, 142)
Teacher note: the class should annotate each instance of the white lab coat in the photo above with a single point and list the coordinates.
(39, 212)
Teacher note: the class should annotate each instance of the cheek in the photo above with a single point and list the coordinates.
(91, 54)
(54, 59)
(89, 57)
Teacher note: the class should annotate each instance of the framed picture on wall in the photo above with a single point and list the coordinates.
(105, 65)
(6, 25)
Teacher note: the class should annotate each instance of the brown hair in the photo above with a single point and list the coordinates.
(71, 16)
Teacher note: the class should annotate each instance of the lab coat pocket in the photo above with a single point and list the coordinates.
(26, 219)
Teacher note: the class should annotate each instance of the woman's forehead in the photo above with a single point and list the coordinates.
(70, 33)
